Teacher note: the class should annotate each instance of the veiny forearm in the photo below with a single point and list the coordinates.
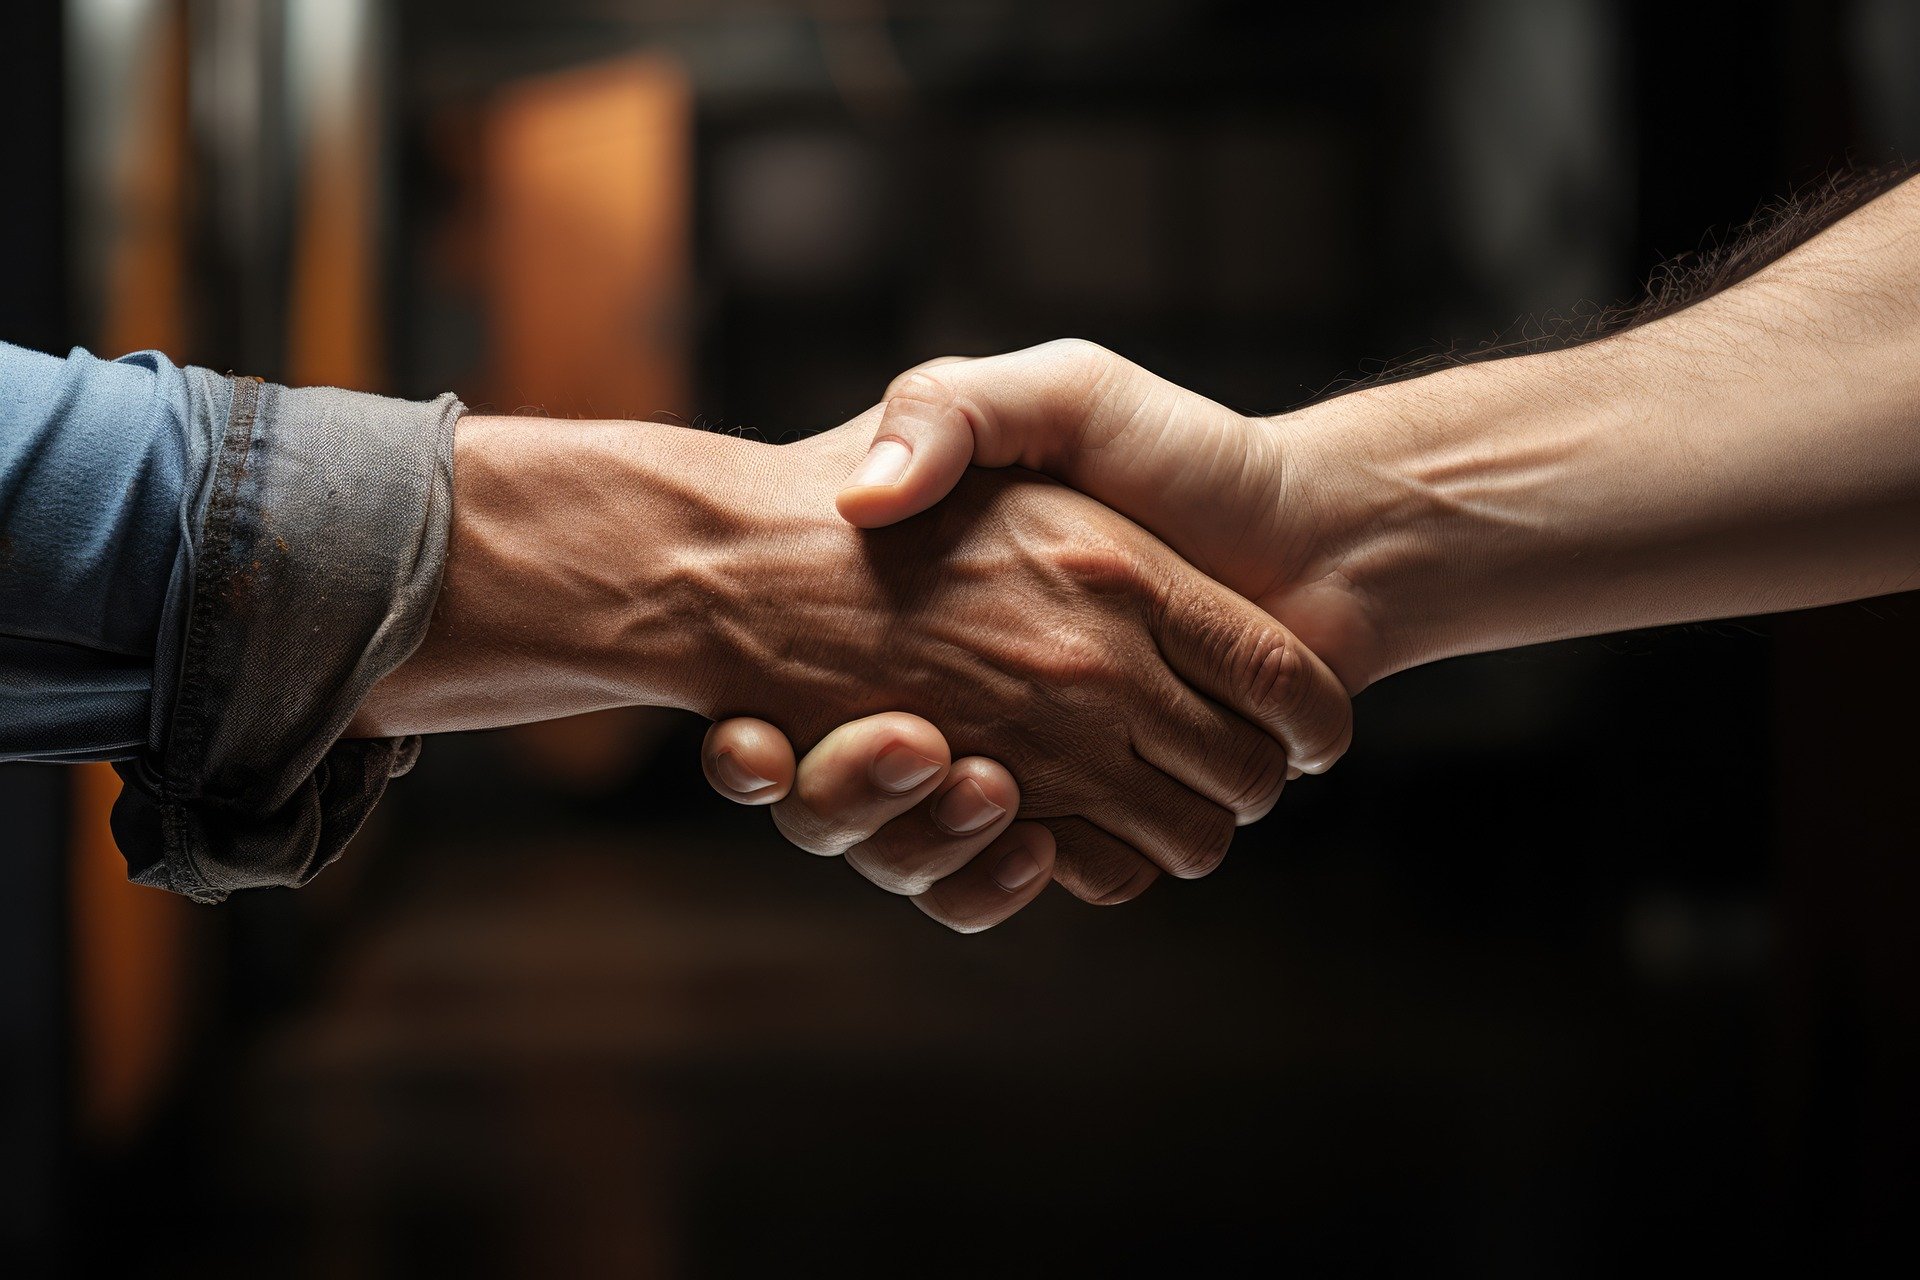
(1756, 452)
(571, 581)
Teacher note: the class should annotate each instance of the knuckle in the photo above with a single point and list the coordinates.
(924, 385)
(1078, 351)
(1276, 672)
(1201, 847)
(1053, 781)
(1098, 564)
(1077, 657)
(1084, 368)
(1105, 882)
(1259, 780)
(1129, 887)
(1341, 739)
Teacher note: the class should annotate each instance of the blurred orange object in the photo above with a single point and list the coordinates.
(130, 976)
(129, 944)
(587, 187)
(588, 179)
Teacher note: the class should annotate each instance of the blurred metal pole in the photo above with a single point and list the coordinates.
(337, 128)
(240, 133)
(106, 84)
(127, 165)
(129, 168)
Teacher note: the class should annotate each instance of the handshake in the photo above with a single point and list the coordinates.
(1046, 616)
(1129, 679)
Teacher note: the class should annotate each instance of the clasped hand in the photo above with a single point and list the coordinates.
(1046, 615)
(1155, 707)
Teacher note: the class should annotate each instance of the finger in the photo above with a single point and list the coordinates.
(1001, 879)
(1230, 649)
(1216, 752)
(858, 778)
(966, 812)
(748, 761)
(1096, 867)
(940, 362)
(1025, 407)
(1176, 829)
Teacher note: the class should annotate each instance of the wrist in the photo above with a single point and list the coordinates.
(1447, 507)
(574, 576)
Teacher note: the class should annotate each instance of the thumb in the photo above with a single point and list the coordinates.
(1026, 408)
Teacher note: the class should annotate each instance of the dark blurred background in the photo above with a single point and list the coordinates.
(1591, 957)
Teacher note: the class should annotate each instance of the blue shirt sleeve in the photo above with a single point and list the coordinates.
(93, 462)
(201, 576)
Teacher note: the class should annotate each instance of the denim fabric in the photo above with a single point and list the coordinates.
(93, 456)
(309, 534)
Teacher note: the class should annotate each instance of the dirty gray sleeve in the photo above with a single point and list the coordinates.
(315, 527)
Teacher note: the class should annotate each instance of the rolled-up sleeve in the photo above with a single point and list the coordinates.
(303, 546)
(314, 537)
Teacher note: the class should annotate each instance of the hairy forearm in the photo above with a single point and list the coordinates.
(1758, 451)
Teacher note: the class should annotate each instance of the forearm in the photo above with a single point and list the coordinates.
(573, 579)
(1758, 451)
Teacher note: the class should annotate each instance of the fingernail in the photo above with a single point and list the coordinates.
(737, 776)
(965, 808)
(1016, 869)
(885, 463)
(900, 768)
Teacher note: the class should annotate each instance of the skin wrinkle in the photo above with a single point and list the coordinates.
(1560, 490)
(1094, 386)
(1100, 869)
(1258, 783)
(1078, 672)
(1728, 341)
(1257, 456)
(1123, 885)
(1065, 673)
(1511, 485)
